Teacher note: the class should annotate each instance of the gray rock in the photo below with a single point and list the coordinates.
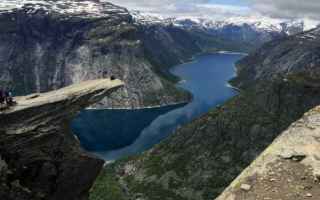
(245, 187)
(40, 156)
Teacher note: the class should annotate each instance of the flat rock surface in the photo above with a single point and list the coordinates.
(289, 169)
(67, 93)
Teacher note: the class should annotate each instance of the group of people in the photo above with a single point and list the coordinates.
(6, 97)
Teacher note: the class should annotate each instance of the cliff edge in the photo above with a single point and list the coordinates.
(288, 169)
(40, 158)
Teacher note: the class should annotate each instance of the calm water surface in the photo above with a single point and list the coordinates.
(114, 134)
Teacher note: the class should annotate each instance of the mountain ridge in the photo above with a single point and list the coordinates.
(256, 22)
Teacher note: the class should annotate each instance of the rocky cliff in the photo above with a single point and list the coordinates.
(288, 169)
(295, 58)
(46, 45)
(49, 44)
(40, 157)
(278, 85)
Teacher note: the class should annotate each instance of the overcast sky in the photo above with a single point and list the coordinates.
(227, 8)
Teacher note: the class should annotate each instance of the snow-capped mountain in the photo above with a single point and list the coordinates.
(46, 45)
(237, 33)
(257, 23)
(101, 8)
(80, 8)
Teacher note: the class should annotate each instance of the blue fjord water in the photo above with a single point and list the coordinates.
(114, 134)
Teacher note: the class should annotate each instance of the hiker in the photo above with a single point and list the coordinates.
(2, 97)
(9, 97)
(105, 74)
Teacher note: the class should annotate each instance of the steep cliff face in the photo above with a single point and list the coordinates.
(202, 158)
(46, 45)
(40, 157)
(289, 168)
(296, 58)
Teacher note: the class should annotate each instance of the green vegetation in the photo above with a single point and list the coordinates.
(207, 154)
(106, 187)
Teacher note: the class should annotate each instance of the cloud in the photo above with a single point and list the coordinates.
(284, 9)
(176, 8)
(288, 8)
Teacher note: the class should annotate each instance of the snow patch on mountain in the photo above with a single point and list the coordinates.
(259, 23)
(83, 8)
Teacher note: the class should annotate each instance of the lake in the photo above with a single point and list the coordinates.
(114, 134)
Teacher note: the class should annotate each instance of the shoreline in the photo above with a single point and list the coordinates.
(112, 155)
(191, 60)
(233, 53)
(142, 108)
(233, 87)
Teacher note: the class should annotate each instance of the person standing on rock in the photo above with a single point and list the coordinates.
(8, 97)
(2, 97)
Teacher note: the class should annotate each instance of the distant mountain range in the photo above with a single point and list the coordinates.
(246, 33)
(259, 23)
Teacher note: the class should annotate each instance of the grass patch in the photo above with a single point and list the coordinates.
(107, 187)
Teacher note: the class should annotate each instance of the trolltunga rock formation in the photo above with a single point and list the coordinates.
(40, 158)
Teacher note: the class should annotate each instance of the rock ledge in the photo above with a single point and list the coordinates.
(39, 156)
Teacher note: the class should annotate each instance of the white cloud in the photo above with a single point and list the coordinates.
(284, 9)
(176, 8)
(288, 8)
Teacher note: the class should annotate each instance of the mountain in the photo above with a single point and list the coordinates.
(245, 33)
(40, 156)
(46, 45)
(278, 83)
(260, 23)
(295, 57)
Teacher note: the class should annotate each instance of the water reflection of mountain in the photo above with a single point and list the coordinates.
(103, 130)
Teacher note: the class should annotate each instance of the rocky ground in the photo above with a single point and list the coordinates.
(40, 158)
(289, 169)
